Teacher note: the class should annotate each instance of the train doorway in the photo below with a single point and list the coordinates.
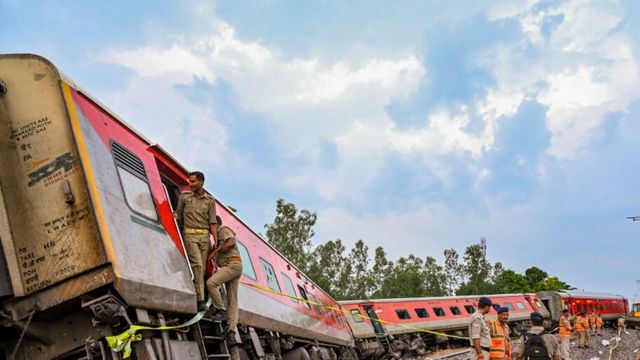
(371, 313)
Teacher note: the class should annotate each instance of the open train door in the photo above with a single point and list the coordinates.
(371, 313)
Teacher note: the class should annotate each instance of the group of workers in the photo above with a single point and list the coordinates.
(491, 340)
(196, 212)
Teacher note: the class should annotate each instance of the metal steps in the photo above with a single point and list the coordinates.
(210, 337)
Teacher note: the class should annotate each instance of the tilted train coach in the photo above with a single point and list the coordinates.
(411, 326)
(89, 243)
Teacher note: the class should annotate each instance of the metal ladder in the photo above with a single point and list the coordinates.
(211, 340)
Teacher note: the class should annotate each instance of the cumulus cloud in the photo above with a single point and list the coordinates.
(581, 69)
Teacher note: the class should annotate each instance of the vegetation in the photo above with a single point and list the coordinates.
(353, 275)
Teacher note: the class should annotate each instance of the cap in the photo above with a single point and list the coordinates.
(536, 316)
(503, 309)
(484, 301)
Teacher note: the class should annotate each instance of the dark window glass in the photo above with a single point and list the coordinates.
(496, 307)
(422, 313)
(403, 314)
(454, 310)
(470, 309)
(509, 306)
(438, 311)
(303, 294)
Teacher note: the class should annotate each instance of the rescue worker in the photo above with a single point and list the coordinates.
(622, 327)
(537, 341)
(227, 258)
(586, 325)
(592, 322)
(599, 324)
(197, 212)
(479, 331)
(581, 330)
(565, 335)
(500, 336)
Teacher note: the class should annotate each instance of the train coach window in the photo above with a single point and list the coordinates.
(134, 182)
(509, 306)
(270, 275)
(438, 311)
(422, 313)
(601, 308)
(314, 303)
(403, 314)
(303, 294)
(247, 265)
(520, 305)
(470, 309)
(496, 307)
(289, 286)
(355, 314)
(455, 310)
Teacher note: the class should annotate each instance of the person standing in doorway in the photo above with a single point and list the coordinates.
(197, 212)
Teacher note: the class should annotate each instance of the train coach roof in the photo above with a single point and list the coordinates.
(589, 294)
(438, 298)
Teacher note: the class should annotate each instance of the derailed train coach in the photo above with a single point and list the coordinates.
(89, 244)
(609, 306)
(410, 327)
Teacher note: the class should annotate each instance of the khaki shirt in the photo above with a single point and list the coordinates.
(478, 329)
(225, 234)
(549, 340)
(196, 212)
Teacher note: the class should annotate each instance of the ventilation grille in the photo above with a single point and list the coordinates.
(127, 160)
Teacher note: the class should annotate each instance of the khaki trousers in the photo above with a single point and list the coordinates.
(229, 275)
(564, 348)
(197, 250)
(582, 338)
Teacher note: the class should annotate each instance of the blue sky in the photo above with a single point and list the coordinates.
(413, 125)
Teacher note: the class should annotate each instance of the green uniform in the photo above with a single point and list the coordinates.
(197, 213)
(229, 272)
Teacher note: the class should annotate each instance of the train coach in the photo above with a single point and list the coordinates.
(609, 306)
(409, 327)
(89, 244)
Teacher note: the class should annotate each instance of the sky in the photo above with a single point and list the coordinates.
(413, 125)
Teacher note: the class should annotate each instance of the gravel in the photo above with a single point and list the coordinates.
(627, 348)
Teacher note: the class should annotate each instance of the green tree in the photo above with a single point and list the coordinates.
(477, 270)
(452, 271)
(328, 267)
(510, 281)
(535, 275)
(552, 283)
(361, 283)
(434, 278)
(291, 233)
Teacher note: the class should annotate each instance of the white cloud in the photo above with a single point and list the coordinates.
(581, 71)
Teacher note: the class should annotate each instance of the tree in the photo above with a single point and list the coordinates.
(328, 267)
(477, 270)
(510, 281)
(434, 278)
(360, 284)
(452, 271)
(552, 283)
(291, 233)
(535, 275)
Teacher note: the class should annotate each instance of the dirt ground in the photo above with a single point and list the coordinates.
(627, 348)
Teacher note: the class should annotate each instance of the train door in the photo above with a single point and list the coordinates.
(371, 313)
(173, 182)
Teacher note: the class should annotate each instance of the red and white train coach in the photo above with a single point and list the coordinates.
(407, 326)
(609, 306)
(89, 243)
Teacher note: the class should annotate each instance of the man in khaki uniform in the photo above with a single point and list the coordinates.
(197, 212)
(229, 271)
(565, 335)
(550, 342)
(479, 331)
